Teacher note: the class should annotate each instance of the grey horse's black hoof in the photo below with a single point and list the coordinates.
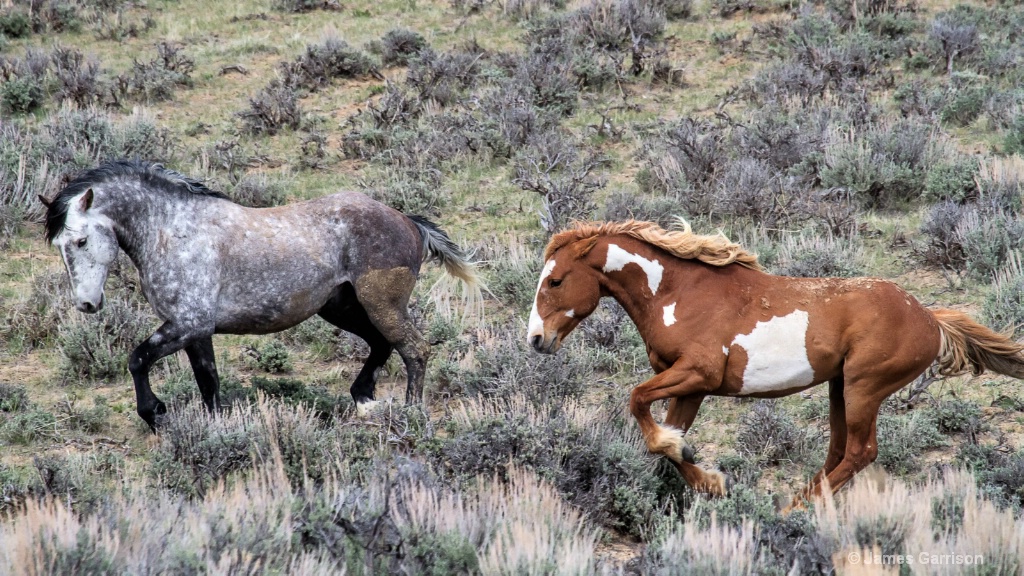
(154, 416)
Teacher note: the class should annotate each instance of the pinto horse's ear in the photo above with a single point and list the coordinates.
(86, 200)
(45, 202)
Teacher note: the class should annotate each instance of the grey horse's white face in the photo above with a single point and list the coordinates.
(89, 245)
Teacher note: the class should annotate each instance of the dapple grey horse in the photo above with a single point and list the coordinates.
(208, 265)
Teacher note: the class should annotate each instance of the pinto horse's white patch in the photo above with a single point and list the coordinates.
(536, 326)
(776, 354)
(570, 314)
(618, 258)
(669, 314)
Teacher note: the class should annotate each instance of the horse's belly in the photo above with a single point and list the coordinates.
(776, 356)
(268, 312)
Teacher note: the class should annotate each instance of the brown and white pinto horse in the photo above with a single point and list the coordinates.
(715, 324)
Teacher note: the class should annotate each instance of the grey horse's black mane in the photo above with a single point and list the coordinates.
(151, 174)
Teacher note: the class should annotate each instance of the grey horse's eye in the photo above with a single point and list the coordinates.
(81, 242)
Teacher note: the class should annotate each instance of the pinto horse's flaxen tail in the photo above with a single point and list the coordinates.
(438, 246)
(970, 347)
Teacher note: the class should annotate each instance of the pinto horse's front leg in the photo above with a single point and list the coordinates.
(681, 414)
(687, 389)
(168, 339)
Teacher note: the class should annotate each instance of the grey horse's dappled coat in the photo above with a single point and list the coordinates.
(208, 265)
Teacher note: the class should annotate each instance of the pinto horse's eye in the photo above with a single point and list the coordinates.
(554, 283)
(81, 242)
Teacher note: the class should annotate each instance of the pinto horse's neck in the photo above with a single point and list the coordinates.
(652, 286)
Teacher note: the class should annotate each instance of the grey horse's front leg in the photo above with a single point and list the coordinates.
(204, 366)
(168, 339)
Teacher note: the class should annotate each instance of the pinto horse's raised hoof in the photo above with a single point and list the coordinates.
(717, 484)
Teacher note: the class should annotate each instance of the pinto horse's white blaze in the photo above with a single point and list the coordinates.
(618, 258)
(536, 326)
(776, 354)
(669, 314)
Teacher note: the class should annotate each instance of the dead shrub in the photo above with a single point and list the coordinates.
(398, 46)
(78, 78)
(274, 108)
(321, 63)
(442, 77)
(157, 79)
(553, 167)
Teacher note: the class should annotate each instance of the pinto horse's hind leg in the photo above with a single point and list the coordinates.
(836, 442)
(863, 395)
(837, 426)
(385, 296)
(204, 366)
(345, 312)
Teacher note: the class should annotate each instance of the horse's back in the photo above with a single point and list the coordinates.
(802, 331)
(872, 324)
(301, 254)
(365, 233)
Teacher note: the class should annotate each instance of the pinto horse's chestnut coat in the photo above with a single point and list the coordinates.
(715, 324)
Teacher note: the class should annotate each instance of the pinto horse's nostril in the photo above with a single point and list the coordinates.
(535, 342)
(89, 307)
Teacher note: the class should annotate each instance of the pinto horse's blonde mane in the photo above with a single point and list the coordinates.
(716, 250)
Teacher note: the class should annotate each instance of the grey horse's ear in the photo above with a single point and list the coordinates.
(86, 200)
(45, 202)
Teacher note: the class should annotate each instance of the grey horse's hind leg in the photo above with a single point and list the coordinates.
(345, 312)
(204, 366)
(385, 296)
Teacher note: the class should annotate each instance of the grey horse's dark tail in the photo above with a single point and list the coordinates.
(438, 246)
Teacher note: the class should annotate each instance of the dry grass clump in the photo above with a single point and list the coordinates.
(41, 158)
(769, 434)
(716, 550)
(860, 530)
(1004, 306)
(520, 525)
(594, 457)
(814, 256)
(944, 515)
(392, 518)
(32, 321)
(198, 451)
